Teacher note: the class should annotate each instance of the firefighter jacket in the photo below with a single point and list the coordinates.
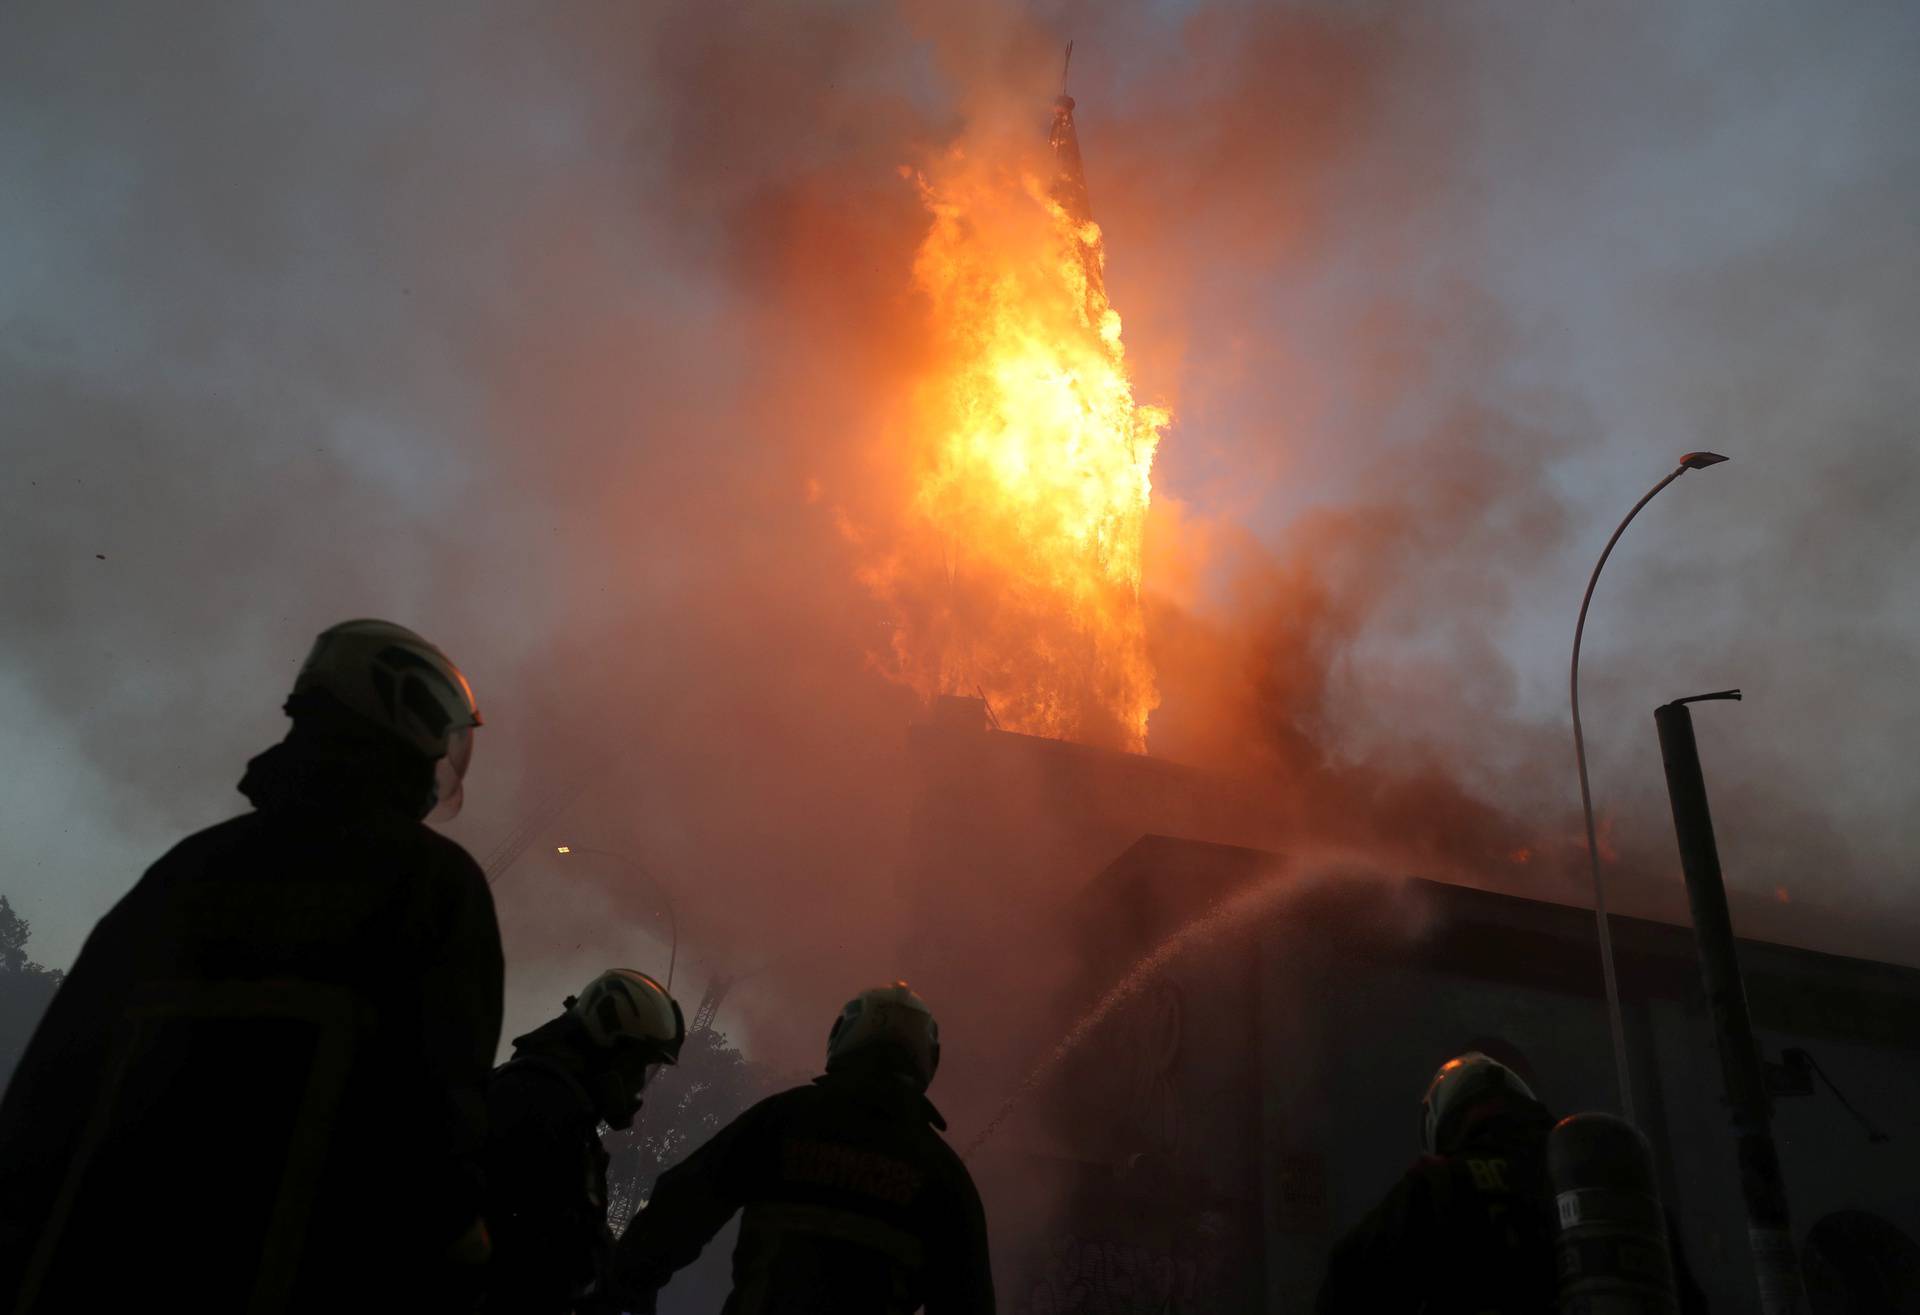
(1467, 1233)
(850, 1202)
(546, 1188)
(261, 1085)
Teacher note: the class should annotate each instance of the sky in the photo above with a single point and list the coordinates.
(564, 335)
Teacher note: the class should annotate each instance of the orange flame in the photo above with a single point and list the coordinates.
(1032, 471)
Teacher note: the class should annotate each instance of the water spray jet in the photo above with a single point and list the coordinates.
(1234, 909)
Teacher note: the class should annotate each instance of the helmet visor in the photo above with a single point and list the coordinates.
(634, 1074)
(647, 1075)
(450, 774)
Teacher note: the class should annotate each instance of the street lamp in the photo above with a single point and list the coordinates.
(1691, 461)
(673, 922)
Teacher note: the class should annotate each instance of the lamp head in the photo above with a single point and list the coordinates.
(1701, 460)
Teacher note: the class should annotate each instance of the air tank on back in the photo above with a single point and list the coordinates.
(1612, 1240)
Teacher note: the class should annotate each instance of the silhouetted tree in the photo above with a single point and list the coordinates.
(14, 930)
(25, 988)
(685, 1104)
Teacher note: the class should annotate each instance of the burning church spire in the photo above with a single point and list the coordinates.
(1069, 187)
(1070, 178)
(1019, 573)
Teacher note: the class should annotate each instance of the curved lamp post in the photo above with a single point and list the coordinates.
(1691, 461)
(666, 902)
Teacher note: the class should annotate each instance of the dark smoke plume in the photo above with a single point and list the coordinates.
(573, 338)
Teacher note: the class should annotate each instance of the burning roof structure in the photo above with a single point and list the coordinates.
(1016, 575)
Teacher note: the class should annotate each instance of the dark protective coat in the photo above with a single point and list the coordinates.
(1471, 1232)
(851, 1203)
(262, 1082)
(1468, 1233)
(546, 1188)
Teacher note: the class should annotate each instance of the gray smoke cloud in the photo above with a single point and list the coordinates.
(533, 329)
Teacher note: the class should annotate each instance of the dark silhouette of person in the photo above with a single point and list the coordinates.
(261, 1086)
(1860, 1264)
(850, 1201)
(546, 1169)
(1470, 1228)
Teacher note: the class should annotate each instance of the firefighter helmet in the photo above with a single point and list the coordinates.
(892, 1017)
(622, 1008)
(630, 1026)
(387, 675)
(1462, 1083)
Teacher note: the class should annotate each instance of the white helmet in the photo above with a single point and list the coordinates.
(890, 1016)
(1462, 1082)
(622, 1007)
(391, 677)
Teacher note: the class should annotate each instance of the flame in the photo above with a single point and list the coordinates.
(1030, 465)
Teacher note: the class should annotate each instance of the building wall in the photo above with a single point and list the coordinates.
(1359, 994)
(1209, 1141)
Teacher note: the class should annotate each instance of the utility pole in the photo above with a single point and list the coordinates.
(1768, 1227)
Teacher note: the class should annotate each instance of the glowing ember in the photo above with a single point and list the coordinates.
(1031, 460)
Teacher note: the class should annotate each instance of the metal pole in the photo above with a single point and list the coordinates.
(673, 930)
(1622, 1072)
(1768, 1227)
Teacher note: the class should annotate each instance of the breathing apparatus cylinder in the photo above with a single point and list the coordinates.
(1612, 1238)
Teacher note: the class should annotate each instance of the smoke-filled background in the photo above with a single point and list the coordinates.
(579, 338)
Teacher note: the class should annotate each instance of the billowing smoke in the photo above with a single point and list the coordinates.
(575, 339)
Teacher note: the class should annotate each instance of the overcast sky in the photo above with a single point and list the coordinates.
(515, 329)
